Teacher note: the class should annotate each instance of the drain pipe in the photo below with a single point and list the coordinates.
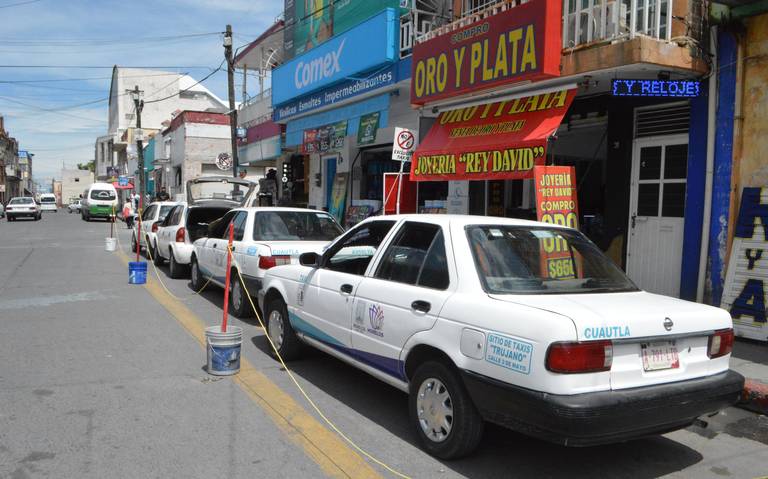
(711, 110)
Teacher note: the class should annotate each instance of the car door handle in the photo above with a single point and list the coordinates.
(421, 306)
(346, 289)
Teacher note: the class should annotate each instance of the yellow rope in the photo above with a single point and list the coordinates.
(301, 389)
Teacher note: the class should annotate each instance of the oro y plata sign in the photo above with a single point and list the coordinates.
(522, 43)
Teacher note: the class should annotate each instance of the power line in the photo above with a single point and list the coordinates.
(96, 42)
(20, 3)
(99, 67)
(87, 78)
(191, 86)
(49, 111)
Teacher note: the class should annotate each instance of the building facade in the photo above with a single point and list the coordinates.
(74, 182)
(9, 166)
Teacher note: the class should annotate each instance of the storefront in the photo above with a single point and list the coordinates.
(339, 123)
(499, 108)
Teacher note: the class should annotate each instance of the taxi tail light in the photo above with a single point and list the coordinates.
(720, 343)
(575, 357)
(266, 262)
(154, 227)
(180, 235)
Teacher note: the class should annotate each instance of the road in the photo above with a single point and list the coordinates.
(104, 379)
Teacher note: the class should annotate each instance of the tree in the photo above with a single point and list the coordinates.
(90, 166)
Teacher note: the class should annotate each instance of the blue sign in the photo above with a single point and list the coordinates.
(656, 88)
(122, 181)
(362, 48)
(337, 93)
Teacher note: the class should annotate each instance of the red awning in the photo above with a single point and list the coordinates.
(117, 186)
(495, 141)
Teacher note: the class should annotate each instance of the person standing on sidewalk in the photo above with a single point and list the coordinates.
(128, 214)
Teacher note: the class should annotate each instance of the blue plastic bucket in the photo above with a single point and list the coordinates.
(223, 350)
(137, 272)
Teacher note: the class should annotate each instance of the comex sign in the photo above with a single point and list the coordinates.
(317, 69)
(332, 61)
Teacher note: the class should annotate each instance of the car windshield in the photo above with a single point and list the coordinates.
(47, 199)
(540, 260)
(218, 190)
(21, 201)
(103, 195)
(295, 226)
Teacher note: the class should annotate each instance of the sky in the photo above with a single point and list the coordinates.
(57, 113)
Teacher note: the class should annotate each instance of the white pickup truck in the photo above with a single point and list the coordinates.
(467, 315)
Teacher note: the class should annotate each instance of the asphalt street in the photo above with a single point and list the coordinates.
(100, 378)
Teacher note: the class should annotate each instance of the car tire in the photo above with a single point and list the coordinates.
(238, 301)
(134, 246)
(281, 332)
(148, 251)
(175, 270)
(156, 258)
(196, 276)
(443, 415)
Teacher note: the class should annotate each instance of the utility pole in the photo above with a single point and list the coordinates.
(139, 103)
(231, 88)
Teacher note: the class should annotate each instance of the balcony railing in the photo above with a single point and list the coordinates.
(589, 21)
(584, 21)
(257, 109)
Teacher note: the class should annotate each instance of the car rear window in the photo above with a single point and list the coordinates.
(47, 199)
(295, 226)
(21, 201)
(164, 212)
(105, 195)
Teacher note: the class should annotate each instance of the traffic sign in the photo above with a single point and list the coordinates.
(404, 144)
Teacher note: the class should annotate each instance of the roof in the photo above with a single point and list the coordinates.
(466, 220)
(271, 40)
(206, 117)
(279, 208)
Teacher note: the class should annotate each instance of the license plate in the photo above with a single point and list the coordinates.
(662, 355)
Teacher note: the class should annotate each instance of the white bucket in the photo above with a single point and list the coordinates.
(111, 244)
(223, 350)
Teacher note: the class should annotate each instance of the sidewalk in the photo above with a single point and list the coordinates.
(750, 358)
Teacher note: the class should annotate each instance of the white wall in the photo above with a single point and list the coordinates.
(73, 183)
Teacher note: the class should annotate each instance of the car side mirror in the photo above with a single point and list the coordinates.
(310, 259)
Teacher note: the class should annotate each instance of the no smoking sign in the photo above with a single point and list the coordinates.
(404, 144)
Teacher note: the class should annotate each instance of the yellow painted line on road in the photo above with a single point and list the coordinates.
(324, 447)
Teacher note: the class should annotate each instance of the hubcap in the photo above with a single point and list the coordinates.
(276, 332)
(434, 408)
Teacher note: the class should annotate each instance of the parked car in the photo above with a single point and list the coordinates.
(23, 206)
(150, 221)
(74, 206)
(467, 315)
(99, 201)
(48, 202)
(189, 221)
(2, 211)
(264, 237)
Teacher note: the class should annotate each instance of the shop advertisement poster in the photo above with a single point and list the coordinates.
(369, 125)
(326, 138)
(495, 141)
(338, 196)
(522, 43)
(745, 281)
(557, 203)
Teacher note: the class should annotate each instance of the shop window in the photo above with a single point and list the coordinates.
(648, 199)
(477, 198)
(375, 164)
(673, 200)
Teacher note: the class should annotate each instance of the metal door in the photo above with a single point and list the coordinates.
(657, 207)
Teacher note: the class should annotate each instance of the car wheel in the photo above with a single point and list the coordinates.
(281, 332)
(134, 246)
(148, 251)
(196, 276)
(241, 307)
(156, 258)
(175, 269)
(446, 421)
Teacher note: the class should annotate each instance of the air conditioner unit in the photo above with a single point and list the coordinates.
(616, 13)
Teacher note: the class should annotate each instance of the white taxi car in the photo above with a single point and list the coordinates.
(264, 237)
(22, 206)
(468, 315)
(208, 199)
(150, 221)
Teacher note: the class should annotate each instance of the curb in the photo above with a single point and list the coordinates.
(755, 396)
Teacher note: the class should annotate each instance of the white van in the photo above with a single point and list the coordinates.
(99, 201)
(48, 202)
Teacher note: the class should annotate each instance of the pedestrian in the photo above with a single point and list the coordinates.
(128, 214)
(163, 195)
